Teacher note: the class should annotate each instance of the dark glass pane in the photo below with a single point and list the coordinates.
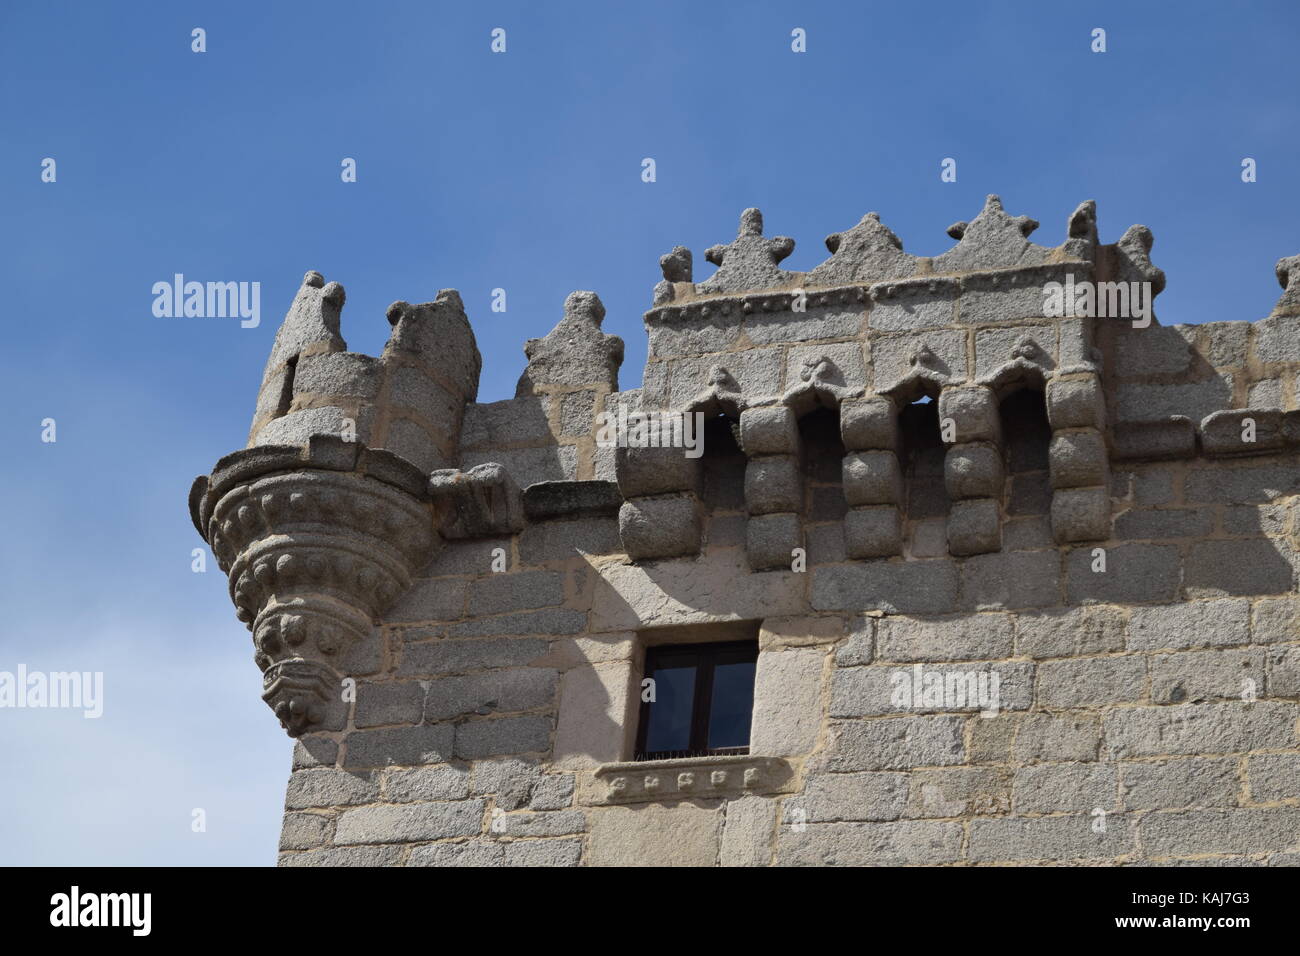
(733, 705)
(670, 712)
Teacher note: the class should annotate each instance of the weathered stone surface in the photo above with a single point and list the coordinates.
(1091, 682)
(870, 844)
(973, 412)
(575, 352)
(867, 423)
(1075, 403)
(1197, 832)
(660, 527)
(974, 527)
(773, 483)
(973, 471)
(410, 822)
(1176, 784)
(1050, 838)
(1069, 632)
(1068, 787)
(896, 743)
(912, 587)
(1189, 729)
(788, 702)
(747, 832)
(874, 531)
(571, 499)
(769, 430)
(654, 835)
(996, 639)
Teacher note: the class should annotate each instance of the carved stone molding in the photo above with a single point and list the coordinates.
(690, 778)
(314, 555)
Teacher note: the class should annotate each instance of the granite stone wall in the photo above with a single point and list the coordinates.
(1024, 585)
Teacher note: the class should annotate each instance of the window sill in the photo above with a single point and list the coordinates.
(685, 778)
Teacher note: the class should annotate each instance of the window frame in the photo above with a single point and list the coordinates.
(706, 657)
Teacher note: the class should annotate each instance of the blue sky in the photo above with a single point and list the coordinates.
(475, 171)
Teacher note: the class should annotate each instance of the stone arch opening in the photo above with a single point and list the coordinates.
(1026, 437)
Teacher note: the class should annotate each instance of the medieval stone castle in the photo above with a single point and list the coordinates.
(954, 580)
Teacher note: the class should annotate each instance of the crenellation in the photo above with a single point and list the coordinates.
(914, 479)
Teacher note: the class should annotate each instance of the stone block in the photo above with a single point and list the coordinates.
(1178, 784)
(326, 787)
(1075, 403)
(747, 832)
(410, 823)
(1220, 623)
(851, 797)
(869, 423)
(1092, 682)
(398, 746)
(655, 471)
(654, 835)
(1242, 431)
(773, 483)
(1069, 632)
(896, 743)
(874, 531)
(518, 591)
(1011, 579)
(498, 691)
(872, 478)
(1194, 676)
(770, 540)
(304, 831)
(899, 843)
(895, 587)
(1133, 574)
(1068, 787)
(596, 703)
(422, 784)
(506, 735)
(1273, 777)
(660, 527)
(966, 637)
(974, 527)
(543, 853)
(1198, 832)
(769, 430)
(973, 411)
(1044, 738)
(959, 791)
(1055, 839)
(1198, 729)
(1078, 459)
(973, 470)
(1081, 514)
(1248, 566)
(787, 702)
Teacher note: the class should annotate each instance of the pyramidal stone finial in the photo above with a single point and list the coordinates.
(992, 240)
(1288, 274)
(576, 351)
(750, 261)
(866, 253)
(1133, 259)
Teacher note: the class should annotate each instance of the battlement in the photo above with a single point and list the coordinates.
(996, 457)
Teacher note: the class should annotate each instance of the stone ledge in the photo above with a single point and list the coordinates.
(571, 499)
(688, 778)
